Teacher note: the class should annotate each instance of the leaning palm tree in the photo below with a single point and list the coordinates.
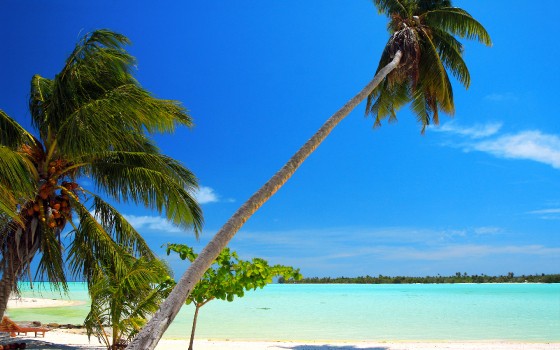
(412, 68)
(92, 122)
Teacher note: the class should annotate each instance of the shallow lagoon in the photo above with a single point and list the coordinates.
(516, 312)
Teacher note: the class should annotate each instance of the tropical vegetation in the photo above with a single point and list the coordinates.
(413, 67)
(457, 278)
(229, 277)
(124, 297)
(90, 143)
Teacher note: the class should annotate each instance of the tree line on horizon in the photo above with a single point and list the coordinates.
(457, 278)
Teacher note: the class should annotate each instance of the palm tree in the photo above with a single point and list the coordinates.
(412, 69)
(92, 121)
(14, 169)
(122, 299)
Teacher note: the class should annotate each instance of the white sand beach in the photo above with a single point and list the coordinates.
(74, 339)
(32, 303)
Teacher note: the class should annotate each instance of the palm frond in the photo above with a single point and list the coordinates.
(18, 181)
(51, 266)
(119, 228)
(40, 101)
(389, 7)
(97, 41)
(421, 108)
(432, 71)
(12, 134)
(458, 22)
(99, 124)
(153, 180)
(125, 298)
(428, 5)
(388, 99)
(447, 105)
(451, 52)
(90, 246)
(95, 100)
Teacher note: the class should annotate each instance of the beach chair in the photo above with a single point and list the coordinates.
(13, 328)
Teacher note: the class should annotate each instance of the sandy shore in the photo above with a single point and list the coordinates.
(31, 303)
(72, 339)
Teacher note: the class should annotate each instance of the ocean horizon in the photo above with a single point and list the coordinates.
(360, 312)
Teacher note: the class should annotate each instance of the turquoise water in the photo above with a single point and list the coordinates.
(517, 312)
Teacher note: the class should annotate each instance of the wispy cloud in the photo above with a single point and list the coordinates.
(152, 223)
(336, 242)
(487, 230)
(529, 145)
(547, 214)
(361, 250)
(501, 97)
(476, 131)
(471, 250)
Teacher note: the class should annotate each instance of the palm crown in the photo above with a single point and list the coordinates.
(424, 31)
(93, 120)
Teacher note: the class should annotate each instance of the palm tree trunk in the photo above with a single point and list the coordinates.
(193, 326)
(21, 248)
(6, 286)
(149, 336)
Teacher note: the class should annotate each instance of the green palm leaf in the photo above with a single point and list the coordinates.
(90, 245)
(457, 21)
(40, 100)
(125, 299)
(11, 133)
(18, 181)
(423, 30)
(156, 181)
(51, 265)
(389, 7)
(119, 228)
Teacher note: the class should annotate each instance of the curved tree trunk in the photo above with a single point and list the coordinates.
(6, 286)
(149, 336)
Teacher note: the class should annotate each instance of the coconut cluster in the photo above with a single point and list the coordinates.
(52, 204)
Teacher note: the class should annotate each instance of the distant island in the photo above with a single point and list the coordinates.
(457, 278)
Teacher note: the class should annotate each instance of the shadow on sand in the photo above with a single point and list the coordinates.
(329, 347)
(36, 344)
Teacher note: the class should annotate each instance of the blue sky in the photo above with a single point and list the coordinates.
(478, 194)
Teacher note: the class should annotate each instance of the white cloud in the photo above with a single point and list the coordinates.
(546, 211)
(487, 230)
(469, 250)
(206, 195)
(530, 145)
(152, 223)
(547, 214)
(495, 97)
(476, 131)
